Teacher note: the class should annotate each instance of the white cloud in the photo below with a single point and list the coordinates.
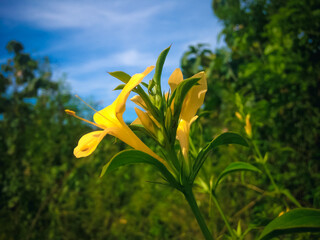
(81, 14)
(87, 38)
(128, 58)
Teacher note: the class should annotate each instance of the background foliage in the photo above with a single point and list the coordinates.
(269, 69)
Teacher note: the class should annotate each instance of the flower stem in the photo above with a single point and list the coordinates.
(270, 177)
(215, 200)
(196, 211)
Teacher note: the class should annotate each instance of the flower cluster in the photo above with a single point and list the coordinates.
(166, 118)
(179, 107)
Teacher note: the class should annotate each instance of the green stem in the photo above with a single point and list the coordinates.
(257, 150)
(270, 177)
(215, 200)
(287, 194)
(196, 211)
(265, 166)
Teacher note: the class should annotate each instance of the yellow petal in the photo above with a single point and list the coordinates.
(183, 137)
(110, 118)
(136, 122)
(145, 120)
(133, 82)
(166, 95)
(175, 78)
(193, 119)
(112, 115)
(194, 98)
(88, 143)
(139, 101)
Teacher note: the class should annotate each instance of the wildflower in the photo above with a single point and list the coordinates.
(248, 127)
(111, 122)
(191, 104)
(166, 118)
(238, 115)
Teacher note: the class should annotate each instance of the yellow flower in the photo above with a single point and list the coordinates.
(238, 115)
(111, 122)
(192, 102)
(248, 127)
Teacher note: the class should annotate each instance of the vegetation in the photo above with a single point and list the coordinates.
(264, 84)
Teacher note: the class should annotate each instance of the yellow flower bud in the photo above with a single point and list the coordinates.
(248, 127)
(238, 115)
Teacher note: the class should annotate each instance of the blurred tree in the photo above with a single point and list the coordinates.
(272, 59)
(45, 193)
(35, 144)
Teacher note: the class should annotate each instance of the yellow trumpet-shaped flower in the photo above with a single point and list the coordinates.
(110, 120)
(192, 102)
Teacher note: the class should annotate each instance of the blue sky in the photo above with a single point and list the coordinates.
(86, 39)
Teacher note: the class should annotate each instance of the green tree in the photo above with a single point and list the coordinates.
(271, 59)
(35, 157)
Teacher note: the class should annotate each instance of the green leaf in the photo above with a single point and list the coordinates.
(235, 167)
(122, 76)
(222, 139)
(134, 156)
(287, 193)
(159, 67)
(144, 84)
(295, 221)
(119, 87)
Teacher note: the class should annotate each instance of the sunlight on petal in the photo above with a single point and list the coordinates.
(145, 120)
(194, 98)
(175, 78)
(112, 115)
(139, 101)
(192, 102)
(183, 137)
(88, 143)
(110, 119)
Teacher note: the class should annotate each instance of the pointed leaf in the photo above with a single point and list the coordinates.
(122, 76)
(295, 221)
(134, 156)
(158, 70)
(222, 139)
(119, 87)
(144, 84)
(236, 167)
